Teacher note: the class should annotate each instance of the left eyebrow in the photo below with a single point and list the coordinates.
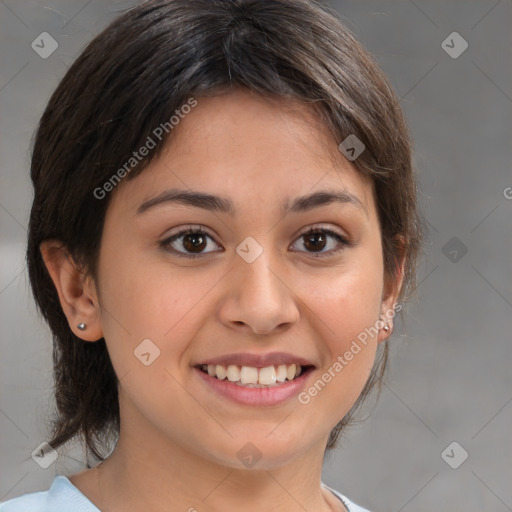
(225, 205)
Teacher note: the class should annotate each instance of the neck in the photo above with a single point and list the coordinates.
(137, 476)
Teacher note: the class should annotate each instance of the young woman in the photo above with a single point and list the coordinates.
(224, 222)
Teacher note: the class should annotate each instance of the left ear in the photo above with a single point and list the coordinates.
(392, 287)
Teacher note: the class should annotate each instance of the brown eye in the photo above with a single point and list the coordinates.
(189, 243)
(317, 239)
(194, 242)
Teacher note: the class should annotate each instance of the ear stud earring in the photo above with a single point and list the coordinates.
(82, 326)
(386, 328)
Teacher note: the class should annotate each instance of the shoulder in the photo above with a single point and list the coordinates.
(350, 505)
(62, 496)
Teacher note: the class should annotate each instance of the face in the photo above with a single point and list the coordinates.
(257, 283)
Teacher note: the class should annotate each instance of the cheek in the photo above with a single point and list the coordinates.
(346, 300)
(145, 300)
(344, 308)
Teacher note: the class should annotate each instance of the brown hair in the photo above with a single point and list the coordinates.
(130, 79)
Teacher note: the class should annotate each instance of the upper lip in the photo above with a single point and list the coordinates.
(257, 360)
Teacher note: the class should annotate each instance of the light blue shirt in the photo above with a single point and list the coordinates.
(63, 496)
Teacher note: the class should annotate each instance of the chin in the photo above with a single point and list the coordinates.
(258, 451)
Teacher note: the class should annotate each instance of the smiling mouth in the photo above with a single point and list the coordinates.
(252, 377)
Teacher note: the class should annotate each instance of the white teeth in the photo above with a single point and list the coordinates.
(233, 373)
(249, 375)
(290, 372)
(219, 370)
(281, 373)
(254, 377)
(267, 375)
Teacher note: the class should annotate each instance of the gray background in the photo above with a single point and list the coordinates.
(450, 377)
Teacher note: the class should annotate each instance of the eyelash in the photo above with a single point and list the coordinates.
(314, 230)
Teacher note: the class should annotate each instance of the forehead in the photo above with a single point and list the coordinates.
(252, 151)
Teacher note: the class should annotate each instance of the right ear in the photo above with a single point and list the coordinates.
(77, 293)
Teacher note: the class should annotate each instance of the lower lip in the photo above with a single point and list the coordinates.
(256, 396)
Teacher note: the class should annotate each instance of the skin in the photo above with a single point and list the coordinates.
(179, 440)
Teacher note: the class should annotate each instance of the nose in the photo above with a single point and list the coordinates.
(258, 298)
